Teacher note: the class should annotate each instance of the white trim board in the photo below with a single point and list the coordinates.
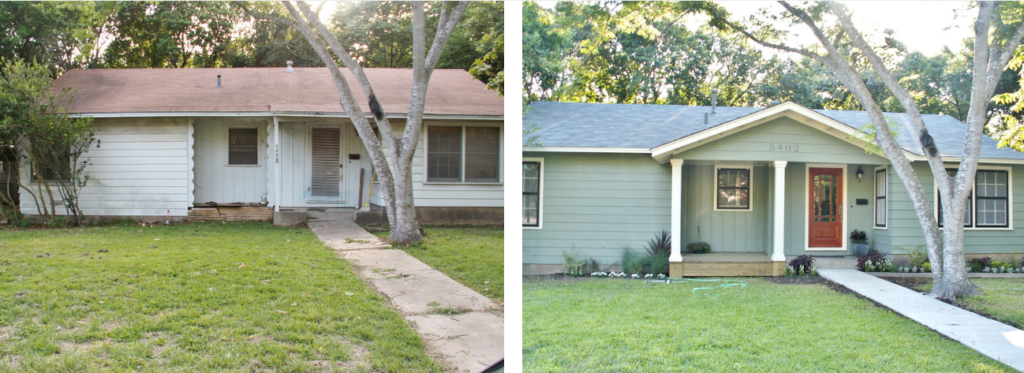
(750, 185)
(562, 149)
(807, 199)
(540, 194)
(279, 114)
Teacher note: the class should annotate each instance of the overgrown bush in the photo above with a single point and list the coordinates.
(632, 262)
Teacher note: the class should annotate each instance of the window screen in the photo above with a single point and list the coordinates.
(242, 146)
(482, 154)
(444, 153)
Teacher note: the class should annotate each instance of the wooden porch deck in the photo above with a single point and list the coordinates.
(726, 265)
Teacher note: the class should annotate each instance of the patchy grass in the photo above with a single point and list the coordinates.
(606, 325)
(473, 256)
(1001, 298)
(180, 299)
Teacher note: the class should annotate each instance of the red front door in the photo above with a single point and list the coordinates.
(825, 227)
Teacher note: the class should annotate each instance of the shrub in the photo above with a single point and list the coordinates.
(594, 266)
(858, 236)
(918, 258)
(631, 261)
(58, 222)
(979, 264)
(927, 267)
(660, 245)
(875, 261)
(805, 262)
(997, 264)
(574, 267)
(659, 265)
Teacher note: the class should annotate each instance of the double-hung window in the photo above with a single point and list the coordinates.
(732, 189)
(881, 195)
(463, 154)
(988, 205)
(531, 192)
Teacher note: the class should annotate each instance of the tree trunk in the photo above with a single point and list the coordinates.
(404, 229)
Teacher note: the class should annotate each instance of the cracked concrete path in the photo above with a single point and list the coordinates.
(467, 342)
(991, 338)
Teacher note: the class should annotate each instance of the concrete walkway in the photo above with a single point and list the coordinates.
(989, 337)
(467, 342)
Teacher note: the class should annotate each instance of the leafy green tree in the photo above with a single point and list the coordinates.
(57, 35)
(34, 120)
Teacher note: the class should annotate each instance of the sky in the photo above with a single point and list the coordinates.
(924, 26)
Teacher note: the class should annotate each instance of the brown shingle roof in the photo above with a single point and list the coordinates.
(306, 90)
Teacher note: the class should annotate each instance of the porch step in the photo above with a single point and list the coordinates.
(333, 214)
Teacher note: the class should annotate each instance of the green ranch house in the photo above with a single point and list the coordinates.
(760, 185)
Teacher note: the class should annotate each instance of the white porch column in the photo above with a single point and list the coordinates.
(778, 248)
(277, 165)
(677, 211)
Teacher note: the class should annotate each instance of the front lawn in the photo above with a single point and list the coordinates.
(616, 325)
(473, 256)
(1001, 298)
(179, 298)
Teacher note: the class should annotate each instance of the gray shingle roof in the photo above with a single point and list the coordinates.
(584, 125)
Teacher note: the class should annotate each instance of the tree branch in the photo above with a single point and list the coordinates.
(716, 15)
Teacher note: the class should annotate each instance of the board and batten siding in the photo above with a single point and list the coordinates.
(905, 231)
(140, 168)
(449, 194)
(216, 180)
(725, 231)
(296, 166)
(596, 204)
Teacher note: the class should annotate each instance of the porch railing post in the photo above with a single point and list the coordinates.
(779, 222)
(277, 164)
(677, 216)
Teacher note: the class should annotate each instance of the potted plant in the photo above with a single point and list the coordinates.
(860, 242)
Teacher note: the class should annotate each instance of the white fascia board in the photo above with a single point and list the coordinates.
(557, 149)
(270, 114)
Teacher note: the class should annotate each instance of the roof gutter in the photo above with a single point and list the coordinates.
(557, 149)
(275, 113)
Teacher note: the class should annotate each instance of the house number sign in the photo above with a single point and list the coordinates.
(784, 148)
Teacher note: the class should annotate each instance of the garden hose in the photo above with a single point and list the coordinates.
(726, 284)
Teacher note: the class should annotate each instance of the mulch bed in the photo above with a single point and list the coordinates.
(795, 280)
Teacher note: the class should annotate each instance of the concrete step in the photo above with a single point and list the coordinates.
(834, 262)
(331, 215)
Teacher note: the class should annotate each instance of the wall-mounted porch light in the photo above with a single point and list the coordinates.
(860, 174)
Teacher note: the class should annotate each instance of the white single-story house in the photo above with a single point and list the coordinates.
(240, 143)
(760, 185)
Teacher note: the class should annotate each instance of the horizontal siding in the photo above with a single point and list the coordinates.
(140, 167)
(595, 204)
(905, 229)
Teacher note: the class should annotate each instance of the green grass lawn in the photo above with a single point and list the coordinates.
(473, 256)
(1001, 298)
(178, 299)
(616, 325)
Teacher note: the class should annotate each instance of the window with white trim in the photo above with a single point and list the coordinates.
(531, 192)
(732, 188)
(881, 195)
(463, 154)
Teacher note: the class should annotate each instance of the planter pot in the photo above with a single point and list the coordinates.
(860, 248)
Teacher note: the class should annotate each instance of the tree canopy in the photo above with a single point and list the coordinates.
(147, 34)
